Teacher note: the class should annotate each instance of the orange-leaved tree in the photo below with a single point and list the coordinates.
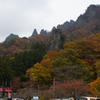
(95, 87)
(52, 55)
(47, 64)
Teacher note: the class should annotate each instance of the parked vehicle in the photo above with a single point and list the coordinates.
(86, 98)
(14, 99)
(2, 99)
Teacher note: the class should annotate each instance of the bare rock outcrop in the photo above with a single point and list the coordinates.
(34, 32)
(65, 25)
(90, 14)
(11, 36)
(56, 39)
(43, 31)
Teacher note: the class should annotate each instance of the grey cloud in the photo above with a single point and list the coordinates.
(18, 16)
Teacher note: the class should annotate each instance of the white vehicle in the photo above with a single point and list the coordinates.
(35, 98)
(14, 99)
(86, 98)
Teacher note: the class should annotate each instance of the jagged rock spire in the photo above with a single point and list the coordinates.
(34, 32)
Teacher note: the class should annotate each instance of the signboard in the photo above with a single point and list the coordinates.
(35, 98)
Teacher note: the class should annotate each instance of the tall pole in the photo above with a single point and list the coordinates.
(38, 90)
(53, 88)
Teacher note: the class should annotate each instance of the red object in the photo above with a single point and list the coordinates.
(0, 89)
(6, 89)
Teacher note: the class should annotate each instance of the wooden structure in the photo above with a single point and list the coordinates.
(6, 89)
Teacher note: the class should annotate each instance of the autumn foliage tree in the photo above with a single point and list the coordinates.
(75, 88)
(58, 90)
(39, 74)
(71, 56)
(95, 87)
(2, 70)
(16, 84)
(47, 64)
(72, 88)
(46, 94)
(52, 55)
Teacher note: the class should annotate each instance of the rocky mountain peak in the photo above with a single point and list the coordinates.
(43, 31)
(53, 28)
(11, 36)
(34, 32)
(65, 24)
(92, 8)
(88, 15)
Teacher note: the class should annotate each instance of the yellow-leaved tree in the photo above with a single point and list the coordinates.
(39, 74)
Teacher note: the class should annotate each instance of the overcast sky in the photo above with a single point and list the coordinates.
(21, 17)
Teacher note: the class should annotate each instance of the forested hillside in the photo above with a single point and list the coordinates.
(17, 45)
(65, 62)
(85, 25)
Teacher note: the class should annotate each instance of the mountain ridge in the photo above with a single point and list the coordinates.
(87, 16)
(85, 25)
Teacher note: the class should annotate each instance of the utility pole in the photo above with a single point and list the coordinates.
(38, 90)
(53, 88)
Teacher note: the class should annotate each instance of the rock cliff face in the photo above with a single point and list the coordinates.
(65, 25)
(43, 31)
(56, 39)
(53, 28)
(11, 36)
(34, 32)
(90, 14)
